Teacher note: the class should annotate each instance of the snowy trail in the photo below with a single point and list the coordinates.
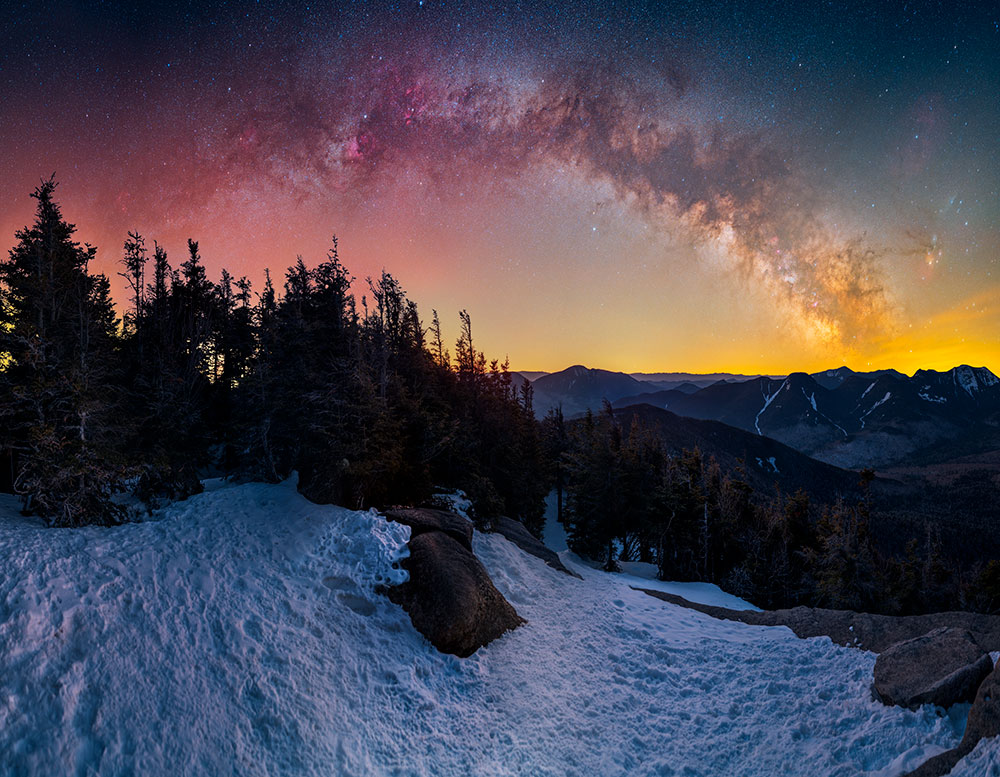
(241, 634)
(669, 691)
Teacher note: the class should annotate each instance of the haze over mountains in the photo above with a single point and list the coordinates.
(839, 416)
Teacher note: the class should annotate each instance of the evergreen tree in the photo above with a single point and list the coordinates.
(61, 408)
(555, 440)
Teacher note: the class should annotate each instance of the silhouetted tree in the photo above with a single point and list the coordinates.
(60, 406)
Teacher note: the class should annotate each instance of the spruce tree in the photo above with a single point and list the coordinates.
(61, 401)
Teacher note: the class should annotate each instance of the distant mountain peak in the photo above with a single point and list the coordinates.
(973, 379)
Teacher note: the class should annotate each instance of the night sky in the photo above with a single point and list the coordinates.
(738, 186)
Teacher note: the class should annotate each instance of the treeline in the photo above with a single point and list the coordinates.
(365, 402)
(358, 396)
(626, 499)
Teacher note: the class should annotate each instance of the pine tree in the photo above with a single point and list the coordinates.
(134, 261)
(441, 356)
(61, 405)
(556, 442)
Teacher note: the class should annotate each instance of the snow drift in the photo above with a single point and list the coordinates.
(242, 632)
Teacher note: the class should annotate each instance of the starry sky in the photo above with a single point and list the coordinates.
(732, 186)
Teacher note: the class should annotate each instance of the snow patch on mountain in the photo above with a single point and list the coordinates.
(882, 401)
(768, 399)
(973, 379)
(769, 464)
(924, 394)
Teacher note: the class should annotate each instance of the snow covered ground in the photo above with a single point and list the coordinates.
(241, 633)
(640, 575)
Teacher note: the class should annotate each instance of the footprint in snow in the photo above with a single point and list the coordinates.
(336, 583)
(359, 604)
(345, 588)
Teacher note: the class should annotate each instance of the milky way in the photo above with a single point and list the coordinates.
(791, 186)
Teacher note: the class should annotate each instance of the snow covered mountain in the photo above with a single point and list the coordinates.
(242, 632)
(846, 418)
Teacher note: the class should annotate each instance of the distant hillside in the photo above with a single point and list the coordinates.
(955, 498)
(830, 379)
(578, 388)
(698, 378)
(769, 464)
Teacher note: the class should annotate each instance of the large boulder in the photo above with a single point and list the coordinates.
(516, 532)
(984, 717)
(450, 597)
(984, 722)
(424, 519)
(943, 667)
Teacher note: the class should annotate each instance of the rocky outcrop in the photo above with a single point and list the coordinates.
(943, 667)
(424, 519)
(449, 597)
(516, 532)
(984, 722)
(854, 629)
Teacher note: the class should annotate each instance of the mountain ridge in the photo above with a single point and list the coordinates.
(842, 417)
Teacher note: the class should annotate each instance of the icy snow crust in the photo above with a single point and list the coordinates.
(241, 633)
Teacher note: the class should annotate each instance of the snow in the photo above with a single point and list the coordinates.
(965, 378)
(985, 377)
(234, 635)
(242, 632)
(973, 379)
(641, 575)
(812, 401)
(768, 399)
(982, 762)
(456, 500)
(924, 395)
(882, 401)
(771, 461)
(553, 534)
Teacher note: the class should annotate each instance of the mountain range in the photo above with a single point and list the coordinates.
(839, 416)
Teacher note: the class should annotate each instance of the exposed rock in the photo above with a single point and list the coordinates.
(425, 519)
(854, 629)
(943, 667)
(516, 532)
(984, 717)
(450, 597)
(984, 721)
(939, 765)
